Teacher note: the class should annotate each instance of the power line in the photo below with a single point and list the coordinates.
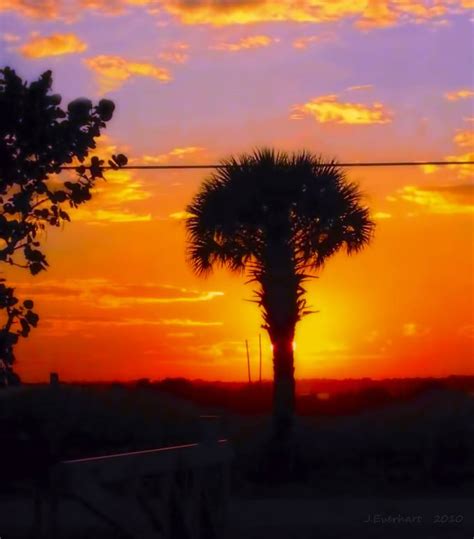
(345, 165)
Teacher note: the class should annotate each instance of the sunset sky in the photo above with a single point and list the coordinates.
(197, 80)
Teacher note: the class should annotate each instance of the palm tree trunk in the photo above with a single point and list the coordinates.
(279, 298)
(283, 386)
(281, 315)
(281, 455)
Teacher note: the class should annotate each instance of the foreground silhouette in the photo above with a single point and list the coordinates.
(277, 217)
(37, 138)
(411, 456)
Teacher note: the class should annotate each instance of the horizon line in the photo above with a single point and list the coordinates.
(265, 380)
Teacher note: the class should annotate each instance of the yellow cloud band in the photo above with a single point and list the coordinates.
(53, 45)
(328, 109)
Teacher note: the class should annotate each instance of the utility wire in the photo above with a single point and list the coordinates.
(355, 164)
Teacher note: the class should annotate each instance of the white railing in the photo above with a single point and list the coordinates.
(171, 492)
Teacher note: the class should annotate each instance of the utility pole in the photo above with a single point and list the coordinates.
(248, 359)
(260, 356)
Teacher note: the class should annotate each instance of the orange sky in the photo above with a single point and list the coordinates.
(192, 83)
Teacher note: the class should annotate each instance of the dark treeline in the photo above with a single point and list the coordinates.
(325, 397)
(411, 433)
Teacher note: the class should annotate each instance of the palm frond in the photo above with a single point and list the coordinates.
(267, 198)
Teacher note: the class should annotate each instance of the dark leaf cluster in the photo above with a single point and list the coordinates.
(279, 217)
(37, 138)
(18, 319)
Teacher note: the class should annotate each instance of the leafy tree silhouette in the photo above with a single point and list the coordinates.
(37, 138)
(18, 321)
(278, 217)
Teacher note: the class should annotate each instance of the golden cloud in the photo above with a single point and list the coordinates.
(179, 153)
(381, 14)
(366, 14)
(429, 169)
(111, 198)
(117, 297)
(114, 7)
(113, 71)
(69, 10)
(121, 187)
(176, 53)
(220, 13)
(185, 322)
(110, 294)
(174, 57)
(224, 349)
(464, 138)
(60, 326)
(328, 109)
(102, 217)
(449, 199)
(382, 215)
(464, 171)
(53, 45)
(180, 215)
(37, 9)
(302, 43)
(456, 95)
(377, 15)
(109, 201)
(250, 42)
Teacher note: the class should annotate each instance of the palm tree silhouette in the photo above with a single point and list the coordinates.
(277, 217)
